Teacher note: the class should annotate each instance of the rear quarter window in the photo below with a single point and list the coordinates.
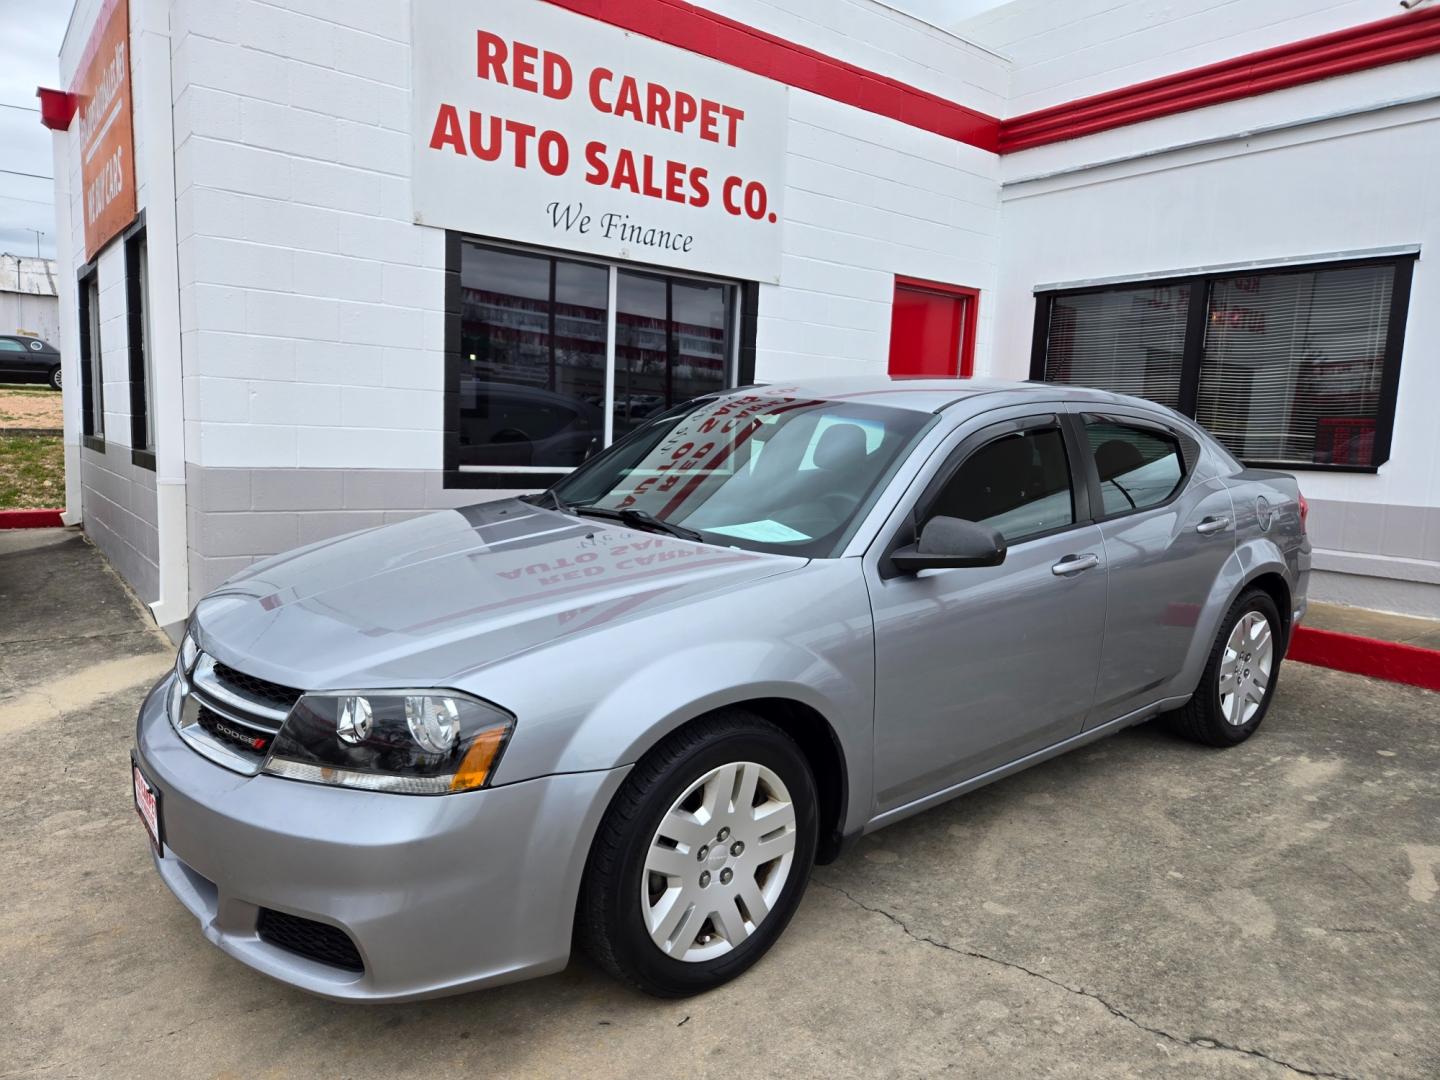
(1139, 467)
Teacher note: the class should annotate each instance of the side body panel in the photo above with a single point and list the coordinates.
(980, 666)
(602, 699)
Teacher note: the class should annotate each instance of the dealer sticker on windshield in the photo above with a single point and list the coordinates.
(767, 531)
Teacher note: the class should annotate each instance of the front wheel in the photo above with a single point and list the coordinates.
(1239, 680)
(55, 381)
(702, 858)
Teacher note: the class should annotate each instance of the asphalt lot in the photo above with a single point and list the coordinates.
(1142, 907)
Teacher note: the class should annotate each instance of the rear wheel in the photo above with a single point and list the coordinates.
(702, 858)
(1239, 680)
(55, 381)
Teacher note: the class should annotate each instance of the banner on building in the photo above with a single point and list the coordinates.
(106, 127)
(534, 124)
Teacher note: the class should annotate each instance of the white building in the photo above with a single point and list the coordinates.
(29, 303)
(362, 259)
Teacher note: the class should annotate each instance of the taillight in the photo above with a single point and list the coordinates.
(1304, 511)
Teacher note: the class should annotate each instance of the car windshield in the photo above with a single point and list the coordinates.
(765, 471)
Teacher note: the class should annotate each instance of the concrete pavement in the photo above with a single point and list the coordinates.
(1142, 907)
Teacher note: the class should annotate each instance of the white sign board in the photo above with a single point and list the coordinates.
(538, 125)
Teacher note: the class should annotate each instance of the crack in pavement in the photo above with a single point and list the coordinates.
(1196, 1041)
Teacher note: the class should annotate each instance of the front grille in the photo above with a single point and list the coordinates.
(313, 940)
(245, 737)
(261, 690)
(228, 716)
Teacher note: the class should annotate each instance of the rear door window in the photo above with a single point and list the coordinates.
(1139, 467)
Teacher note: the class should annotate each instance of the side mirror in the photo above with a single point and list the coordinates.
(947, 542)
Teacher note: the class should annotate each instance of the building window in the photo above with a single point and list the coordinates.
(552, 357)
(1296, 367)
(92, 377)
(137, 305)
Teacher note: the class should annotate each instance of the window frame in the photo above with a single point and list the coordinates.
(1189, 458)
(1082, 511)
(142, 452)
(458, 474)
(92, 390)
(1195, 324)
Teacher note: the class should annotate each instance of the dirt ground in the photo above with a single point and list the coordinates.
(29, 407)
(1142, 907)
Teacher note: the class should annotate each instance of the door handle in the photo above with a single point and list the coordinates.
(1213, 524)
(1075, 564)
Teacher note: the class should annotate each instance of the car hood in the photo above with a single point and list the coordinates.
(425, 601)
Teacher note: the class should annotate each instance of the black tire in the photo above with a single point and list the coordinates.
(609, 923)
(54, 379)
(1203, 719)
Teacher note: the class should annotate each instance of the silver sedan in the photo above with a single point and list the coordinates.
(639, 707)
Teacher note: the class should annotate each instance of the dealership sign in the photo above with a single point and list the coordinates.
(107, 143)
(537, 125)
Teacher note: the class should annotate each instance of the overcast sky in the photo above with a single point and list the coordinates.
(30, 33)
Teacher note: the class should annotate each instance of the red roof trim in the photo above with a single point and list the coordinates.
(679, 23)
(1357, 48)
(683, 24)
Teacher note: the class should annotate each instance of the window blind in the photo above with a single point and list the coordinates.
(1292, 366)
(1128, 341)
(1296, 367)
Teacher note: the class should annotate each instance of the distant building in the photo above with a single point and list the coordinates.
(29, 303)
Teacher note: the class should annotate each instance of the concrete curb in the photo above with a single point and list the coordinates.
(1389, 660)
(30, 519)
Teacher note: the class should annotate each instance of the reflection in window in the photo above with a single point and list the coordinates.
(672, 343)
(1138, 468)
(1019, 484)
(532, 352)
(533, 382)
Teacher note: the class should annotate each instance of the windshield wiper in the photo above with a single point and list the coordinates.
(631, 516)
(640, 518)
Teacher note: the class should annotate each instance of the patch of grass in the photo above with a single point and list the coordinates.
(32, 472)
(27, 389)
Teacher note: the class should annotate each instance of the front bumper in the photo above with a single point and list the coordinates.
(439, 893)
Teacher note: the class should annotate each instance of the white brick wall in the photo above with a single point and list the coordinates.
(311, 307)
(301, 273)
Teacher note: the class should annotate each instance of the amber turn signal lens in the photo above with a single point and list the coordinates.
(474, 769)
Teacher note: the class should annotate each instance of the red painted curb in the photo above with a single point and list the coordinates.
(1391, 660)
(30, 519)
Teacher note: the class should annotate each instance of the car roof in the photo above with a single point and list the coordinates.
(932, 395)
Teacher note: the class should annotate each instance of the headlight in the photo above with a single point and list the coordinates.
(185, 659)
(410, 742)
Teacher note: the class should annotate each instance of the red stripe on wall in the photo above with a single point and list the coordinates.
(676, 22)
(1367, 656)
(1376, 44)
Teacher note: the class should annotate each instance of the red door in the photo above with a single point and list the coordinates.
(932, 329)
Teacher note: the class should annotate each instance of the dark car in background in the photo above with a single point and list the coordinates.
(27, 359)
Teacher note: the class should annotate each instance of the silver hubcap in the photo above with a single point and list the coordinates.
(718, 862)
(1245, 668)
